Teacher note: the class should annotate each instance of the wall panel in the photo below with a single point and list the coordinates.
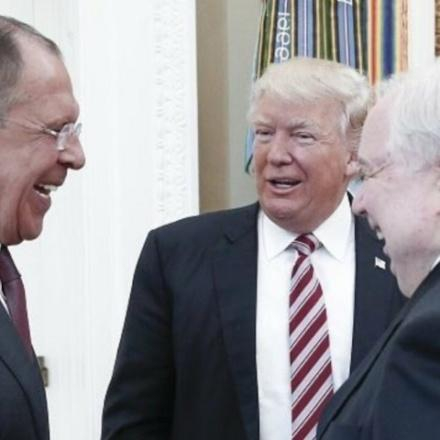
(134, 72)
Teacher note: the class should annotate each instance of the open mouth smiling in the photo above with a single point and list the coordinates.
(284, 183)
(45, 189)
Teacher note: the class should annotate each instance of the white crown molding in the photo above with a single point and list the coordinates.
(175, 110)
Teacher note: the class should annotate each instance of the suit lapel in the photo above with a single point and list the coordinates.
(235, 278)
(25, 371)
(375, 292)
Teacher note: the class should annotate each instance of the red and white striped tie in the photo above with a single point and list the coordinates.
(310, 361)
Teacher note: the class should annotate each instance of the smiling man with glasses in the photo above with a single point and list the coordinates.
(38, 146)
(395, 393)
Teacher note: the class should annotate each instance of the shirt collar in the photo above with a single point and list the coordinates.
(334, 233)
(437, 260)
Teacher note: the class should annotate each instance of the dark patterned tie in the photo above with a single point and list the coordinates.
(13, 290)
(310, 361)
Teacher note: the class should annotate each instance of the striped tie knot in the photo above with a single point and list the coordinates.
(306, 244)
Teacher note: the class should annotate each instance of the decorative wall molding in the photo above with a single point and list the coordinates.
(175, 103)
(437, 28)
(134, 73)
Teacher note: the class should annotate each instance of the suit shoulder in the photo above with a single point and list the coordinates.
(425, 304)
(201, 227)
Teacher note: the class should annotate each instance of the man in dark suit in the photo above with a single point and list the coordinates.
(38, 145)
(395, 393)
(205, 351)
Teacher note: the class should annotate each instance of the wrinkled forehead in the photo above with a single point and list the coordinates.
(41, 68)
(44, 84)
(325, 114)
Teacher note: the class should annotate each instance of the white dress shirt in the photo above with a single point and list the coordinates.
(437, 260)
(2, 295)
(3, 299)
(334, 264)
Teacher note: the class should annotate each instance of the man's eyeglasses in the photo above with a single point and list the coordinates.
(63, 136)
(365, 174)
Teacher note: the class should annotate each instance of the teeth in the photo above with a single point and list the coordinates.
(45, 189)
(284, 183)
(49, 187)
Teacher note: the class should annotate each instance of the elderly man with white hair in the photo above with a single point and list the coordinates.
(395, 393)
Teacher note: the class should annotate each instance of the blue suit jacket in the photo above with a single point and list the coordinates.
(186, 365)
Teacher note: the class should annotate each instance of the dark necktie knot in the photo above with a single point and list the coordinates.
(306, 244)
(8, 270)
(13, 290)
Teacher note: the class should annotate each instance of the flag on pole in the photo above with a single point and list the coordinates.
(368, 35)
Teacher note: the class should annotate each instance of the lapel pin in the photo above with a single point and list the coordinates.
(378, 262)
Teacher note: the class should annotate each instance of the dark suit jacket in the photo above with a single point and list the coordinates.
(186, 365)
(23, 408)
(395, 393)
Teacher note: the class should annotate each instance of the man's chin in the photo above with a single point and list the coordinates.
(31, 235)
(29, 231)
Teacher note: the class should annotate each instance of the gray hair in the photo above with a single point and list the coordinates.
(11, 61)
(311, 79)
(415, 116)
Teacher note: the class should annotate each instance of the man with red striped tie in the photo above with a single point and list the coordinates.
(242, 323)
(307, 115)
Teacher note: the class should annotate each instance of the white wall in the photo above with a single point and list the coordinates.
(133, 66)
(421, 26)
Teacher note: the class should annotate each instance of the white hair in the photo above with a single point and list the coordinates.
(311, 79)
(415, 116)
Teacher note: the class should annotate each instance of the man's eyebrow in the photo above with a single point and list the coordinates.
(57, 122)
(294, 124)
(302, 123)
(60, 121)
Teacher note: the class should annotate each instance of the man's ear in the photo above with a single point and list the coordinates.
(251, 168)
(352, 165)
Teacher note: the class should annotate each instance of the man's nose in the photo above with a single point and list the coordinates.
(73, 156)
(279, 151)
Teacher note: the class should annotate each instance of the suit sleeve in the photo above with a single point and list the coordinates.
(408, 404)
(139, 400)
